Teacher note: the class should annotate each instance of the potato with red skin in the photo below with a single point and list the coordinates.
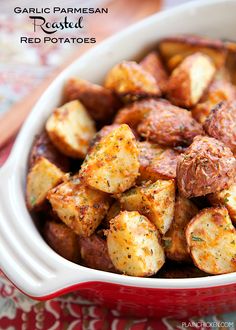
(94, 253)
(100, 102)
(62, 240)
(169, 125)
(219, 90)
(189, 80)
(221, 124)
(134, 113)
(156, 162)
(153, 64)
(43, 147)
(205, 167)
(131, 82)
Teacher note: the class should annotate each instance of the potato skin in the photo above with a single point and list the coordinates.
(43, 147)
(100, 102)
(205, 167)
(211, 240)
(134, 113)
(42, 177)
(156, 162)
(94, 253)
(174, 240)
(219, 90)
(169, 125)
(189, 80)
(227, 198)
(133, 245)
(62, 240)
(131, 82)
(71, 129)
(78, 206)
(113, 165)
(221, 124)
(152, 63)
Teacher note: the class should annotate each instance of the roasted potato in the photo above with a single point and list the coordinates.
(101, 134)
(175, 49)
(189, 80)
(43, 147)
(207, 166)
(114, 210)
(134, 113)
(221, 124)
(227, 198)
(231, 60)
(219, 90)
(131, 82)
(152, 63)
(174, 240)
(211, 240)
(112, 166)
(134, 245)
(100, 102)
(94, 253)
(42, 177)
(169, 125)
(156, 201)
(78, 206)
(156, 162)
(71, 129)
(62, 240)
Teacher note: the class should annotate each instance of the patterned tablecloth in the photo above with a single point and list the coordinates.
(21, 68)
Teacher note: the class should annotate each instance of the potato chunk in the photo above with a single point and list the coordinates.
(112, 166)
(42, 177)
(101, 103)
(133, 245)
(227, 198)
(131, 82)
(94, 253)
(134, 113)
(156, 201)
(169, 125)
(62, 240)
(78, 206)
(152, 63)
(156, 162)
(207, 166)
(174, 240)
(190, 79)
(219, 90)
(71, 129)
(175, 49)
(221, 124)
(211, 240)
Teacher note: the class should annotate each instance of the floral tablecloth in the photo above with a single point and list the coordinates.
(22, 68)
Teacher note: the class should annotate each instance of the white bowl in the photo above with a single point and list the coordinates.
(25, 258)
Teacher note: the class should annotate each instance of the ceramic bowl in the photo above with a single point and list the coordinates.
(25, 257)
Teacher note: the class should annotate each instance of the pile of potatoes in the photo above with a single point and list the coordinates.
(141, 171)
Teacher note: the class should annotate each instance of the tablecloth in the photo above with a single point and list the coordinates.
(22, 68)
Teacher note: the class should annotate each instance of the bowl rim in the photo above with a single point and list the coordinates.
(93, 275)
